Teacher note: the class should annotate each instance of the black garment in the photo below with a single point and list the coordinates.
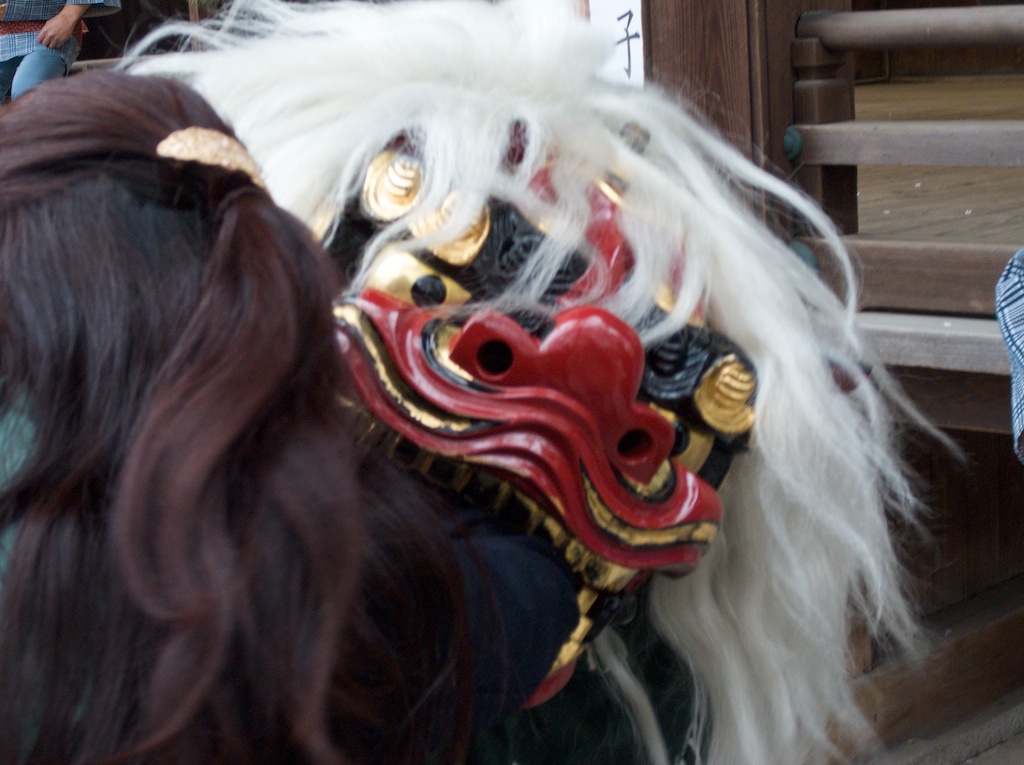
(584, 725)
(522, 608)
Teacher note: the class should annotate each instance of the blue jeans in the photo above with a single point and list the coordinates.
(23, 72)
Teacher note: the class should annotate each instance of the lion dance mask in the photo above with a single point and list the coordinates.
(557, 419)
(568, 304)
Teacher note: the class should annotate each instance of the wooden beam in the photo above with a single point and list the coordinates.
(963, 401)
(973, 143)
(966, 668)
(918, 28)
(925, 277)
(936, 342)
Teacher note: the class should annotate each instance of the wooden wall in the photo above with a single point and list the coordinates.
(976, 524)
(731, 58)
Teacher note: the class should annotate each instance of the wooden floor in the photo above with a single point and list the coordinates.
(1008, 753)
(952, 204)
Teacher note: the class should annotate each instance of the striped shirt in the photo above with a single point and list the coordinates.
(23, 43)
(1010, 312)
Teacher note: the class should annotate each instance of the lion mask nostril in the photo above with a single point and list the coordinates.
(635, 444)
(495, 357)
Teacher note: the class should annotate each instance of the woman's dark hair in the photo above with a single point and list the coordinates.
(198, 563)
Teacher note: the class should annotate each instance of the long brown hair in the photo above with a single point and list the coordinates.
(201, 566)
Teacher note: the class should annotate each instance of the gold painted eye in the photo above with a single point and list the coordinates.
(723, 397)
(406, 277)
(392, 185)
(465, 248)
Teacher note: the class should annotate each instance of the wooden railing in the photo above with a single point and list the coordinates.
(826, 133)
(924, 28)
(933, 302)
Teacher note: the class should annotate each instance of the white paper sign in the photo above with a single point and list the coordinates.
(621, 21)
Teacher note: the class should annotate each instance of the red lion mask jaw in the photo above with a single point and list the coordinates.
(557, 418)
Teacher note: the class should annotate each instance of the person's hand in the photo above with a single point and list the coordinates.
(57, 30)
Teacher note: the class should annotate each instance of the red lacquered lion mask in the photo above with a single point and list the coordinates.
(559, 420)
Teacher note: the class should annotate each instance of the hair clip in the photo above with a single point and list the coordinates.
(210, 147)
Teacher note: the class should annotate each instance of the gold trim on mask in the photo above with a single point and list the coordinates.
(322, 222)
(462, 250)
(397, 389)
(395, 272)
(614, 187)
(634, 536)
(392, 186)
(210, 147)
(597, 572)
(697, 449)
(723, 397)
(573, 647)
(443, 337)
(657, 485)
(664, 298)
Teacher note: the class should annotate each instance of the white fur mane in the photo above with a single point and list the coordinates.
(316, 91)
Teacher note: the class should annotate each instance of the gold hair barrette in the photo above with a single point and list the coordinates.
(210, 147)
